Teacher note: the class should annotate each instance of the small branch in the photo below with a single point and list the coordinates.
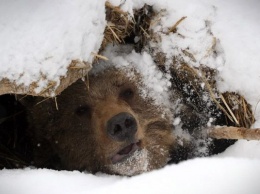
(56, 104)
(229, 110)
(42, 101)
(86, 81)
(76, 64)
(99, 56)
(114, 34)
(146, 34)
(173, 28)
(234, 133)
(212, 95)
(51, 84)
(188, 54)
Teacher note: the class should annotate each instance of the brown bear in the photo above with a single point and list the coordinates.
(108, 123)
(104, 125)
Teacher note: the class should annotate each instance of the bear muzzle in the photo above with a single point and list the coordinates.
(126, 152)
(122, 127)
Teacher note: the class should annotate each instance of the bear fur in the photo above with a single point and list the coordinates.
(105, 124)
(74, 135)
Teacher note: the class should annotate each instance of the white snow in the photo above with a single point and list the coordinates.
(39, 39)
(154, 84)
(235, 23)
(237, 26)
(198, 176)
(139, 158)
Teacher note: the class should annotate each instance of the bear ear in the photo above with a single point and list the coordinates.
(29, 101)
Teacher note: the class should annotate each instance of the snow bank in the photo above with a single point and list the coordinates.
(39, 39)
(237, 170)
(199, 176)
(237, 26)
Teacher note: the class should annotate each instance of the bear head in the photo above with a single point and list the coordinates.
(102, 124)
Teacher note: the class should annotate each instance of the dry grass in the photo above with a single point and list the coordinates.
(174, 27)
(240, 108)
(123, 28)
(119, 25)
(233, 105)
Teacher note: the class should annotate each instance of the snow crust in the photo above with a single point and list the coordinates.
(39, 39)
(235, 23)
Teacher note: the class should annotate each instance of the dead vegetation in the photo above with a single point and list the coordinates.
(234, 133)
(119, 25)
(122, 27)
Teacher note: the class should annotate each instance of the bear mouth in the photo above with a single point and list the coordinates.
(126, 152)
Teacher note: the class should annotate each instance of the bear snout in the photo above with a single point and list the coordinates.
(122, 127)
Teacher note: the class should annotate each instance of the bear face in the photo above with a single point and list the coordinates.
(104, 125)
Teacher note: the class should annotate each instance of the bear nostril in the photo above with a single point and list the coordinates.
(129, 123)
(117, 129)
(122, 127)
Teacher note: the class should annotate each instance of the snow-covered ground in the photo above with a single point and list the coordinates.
(236, 24)
(198, 176)
(39, 39)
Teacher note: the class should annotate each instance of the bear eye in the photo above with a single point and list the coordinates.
(83, 110)
(127, 94)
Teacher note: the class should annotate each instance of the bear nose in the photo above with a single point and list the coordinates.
(122, 127)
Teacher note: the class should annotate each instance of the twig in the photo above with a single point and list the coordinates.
(173, 28)
(86, 81)
(76, 64)
(146, 34)
(213, 97)
(229, 110)
(234, 133)
(114, 34)
(188, 54)
(100, 56)
(42, 101)
(56, 104)
(23, 97)
(52, 84)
